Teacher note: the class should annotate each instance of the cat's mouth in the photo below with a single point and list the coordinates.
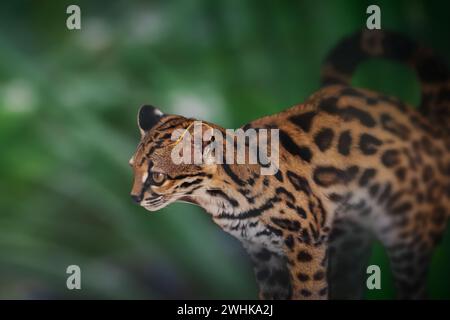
(154, 203)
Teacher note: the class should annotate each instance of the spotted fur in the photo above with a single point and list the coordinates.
(354, 165)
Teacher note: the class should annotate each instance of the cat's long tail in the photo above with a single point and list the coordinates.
(432, 72)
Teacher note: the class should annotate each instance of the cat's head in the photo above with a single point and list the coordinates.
(159, 177)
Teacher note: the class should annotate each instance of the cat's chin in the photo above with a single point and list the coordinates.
(188, 199)
(153, 208)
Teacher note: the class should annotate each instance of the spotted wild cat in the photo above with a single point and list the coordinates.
(354, 166)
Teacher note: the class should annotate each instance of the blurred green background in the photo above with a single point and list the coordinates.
(68, 103)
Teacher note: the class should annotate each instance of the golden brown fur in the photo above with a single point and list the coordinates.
(354, 165)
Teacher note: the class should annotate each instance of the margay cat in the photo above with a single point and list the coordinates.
(355, 165)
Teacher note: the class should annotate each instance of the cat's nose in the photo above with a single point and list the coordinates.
(136, 198)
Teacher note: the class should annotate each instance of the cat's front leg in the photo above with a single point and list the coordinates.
(307, 266)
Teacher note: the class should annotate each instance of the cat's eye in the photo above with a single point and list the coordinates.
(158, 178)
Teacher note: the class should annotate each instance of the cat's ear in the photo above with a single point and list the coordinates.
(148, 117)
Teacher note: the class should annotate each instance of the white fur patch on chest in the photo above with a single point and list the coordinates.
(252, 231)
